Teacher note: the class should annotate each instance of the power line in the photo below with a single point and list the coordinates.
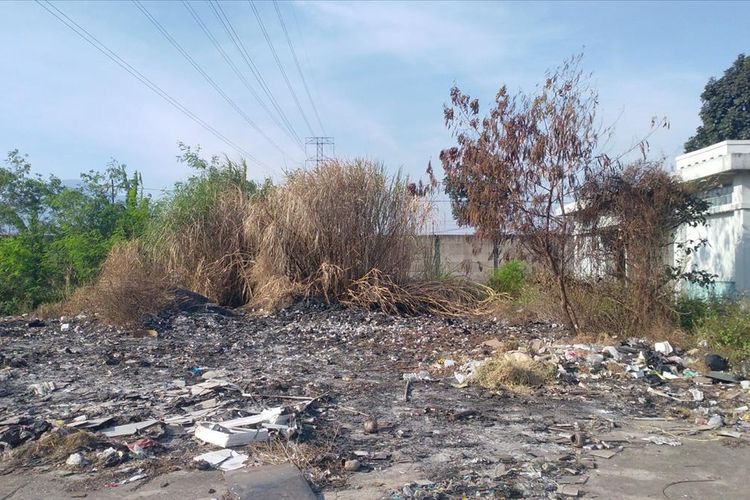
(296, 62)
(205, 75)
(237, 72)
(280, 65)
(94, 42)
(237, 41)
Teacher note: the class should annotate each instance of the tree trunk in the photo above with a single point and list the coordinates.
(567, 310)
(570, 314)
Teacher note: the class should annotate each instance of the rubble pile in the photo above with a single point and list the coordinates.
(344, 393)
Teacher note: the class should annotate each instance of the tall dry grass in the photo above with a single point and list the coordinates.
(129, 288)
(343, 232)
(206, 249)
(328, 227)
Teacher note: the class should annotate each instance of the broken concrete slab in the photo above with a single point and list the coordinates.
(128, 429)
(695, 470)
(225, 460)
(226, 437)
(723, 377)
(280, 482)
(89, 423)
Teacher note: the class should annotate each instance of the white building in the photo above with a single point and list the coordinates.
(726, 165)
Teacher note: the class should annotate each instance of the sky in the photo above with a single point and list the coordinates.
(378, 74)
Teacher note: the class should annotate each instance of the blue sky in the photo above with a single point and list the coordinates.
(379, 74)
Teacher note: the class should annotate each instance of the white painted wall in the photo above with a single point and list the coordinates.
(727, 231)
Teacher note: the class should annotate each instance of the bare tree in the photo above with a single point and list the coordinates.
(517, 172)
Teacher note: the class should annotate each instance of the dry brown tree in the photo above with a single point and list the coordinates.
(516, 172)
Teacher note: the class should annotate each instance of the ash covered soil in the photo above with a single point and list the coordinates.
(338, 369)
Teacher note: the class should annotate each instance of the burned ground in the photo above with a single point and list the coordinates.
(340, 368)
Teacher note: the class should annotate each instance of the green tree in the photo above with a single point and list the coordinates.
(54, 238)
(725, 111)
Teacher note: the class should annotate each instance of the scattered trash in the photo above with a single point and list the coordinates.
(85, 423)
(420, 376)
(227, 437)
(493, 344)
(568, 490)
(213, 374)
(109, 457)
(76, 460)
(663, 348)
(244, 430)
(467, 372)
(352, 465)
(745, 384)
(43, 388)
(370, 426)
(612, 353)
(208, 386)
(731, 434)
(716, 363)
(595, 359)
(715, 421)
(634, 371)
(571, 356)
(606, 454)
(203, 381)
(661, 440)
(225, 460)
(135, 478)
(138, 448)
(697, 394)
(64, 327)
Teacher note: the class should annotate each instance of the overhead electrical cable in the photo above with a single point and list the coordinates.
(206, 30)
(94, 42)
(205, 75)
(296, 63)
(280, 65)
(237, 41)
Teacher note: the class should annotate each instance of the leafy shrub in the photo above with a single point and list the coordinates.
(509, 278)
(727, 328)
(690, 311)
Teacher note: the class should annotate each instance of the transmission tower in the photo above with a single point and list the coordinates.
(318, 149)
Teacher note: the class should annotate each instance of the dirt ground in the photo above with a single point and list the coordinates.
(337, 369)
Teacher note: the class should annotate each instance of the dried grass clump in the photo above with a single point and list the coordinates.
(449, 297)
(129, 287)
(52, 448)
(205, 249)
(513, 372)
(328, 227)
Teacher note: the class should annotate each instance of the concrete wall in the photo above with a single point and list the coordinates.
(458, 254)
